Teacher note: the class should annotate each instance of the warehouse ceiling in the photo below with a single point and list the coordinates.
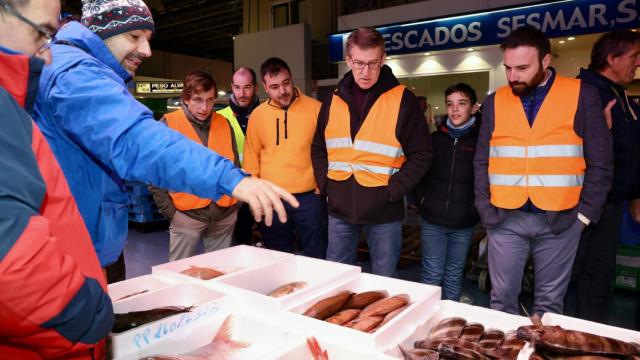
(203, 28)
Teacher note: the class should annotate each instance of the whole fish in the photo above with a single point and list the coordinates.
(472, 332)
(365, 324)
(385, 306)
(364, 299)
(328, 306)
(219, 348)
(570, 342)
(456, 352)
(491, 339)
(434, 344)
(202, 273)
(419, 354)
(391, 315)
(127, 321)
(343, 316)
(316, 350)
(448, 328)
(287, 289)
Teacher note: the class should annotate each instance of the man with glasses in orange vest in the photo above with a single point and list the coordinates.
(194, 218)
(370, 149)
(543, 167)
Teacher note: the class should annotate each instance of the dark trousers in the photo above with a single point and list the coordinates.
(243, 232)
(116, 271)
(309, 221)
(595, 264)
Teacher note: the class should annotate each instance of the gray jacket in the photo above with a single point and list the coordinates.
(590, 125)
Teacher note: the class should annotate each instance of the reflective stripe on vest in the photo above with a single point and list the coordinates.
(219, 141)
(544, 162)
(237, 130)
(375, 154)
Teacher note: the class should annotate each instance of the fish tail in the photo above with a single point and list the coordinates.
(225, 335)
(316, 350)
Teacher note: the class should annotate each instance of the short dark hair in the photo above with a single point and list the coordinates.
(273, 66)
(615, 43)
(528, 36)
(197, 82)
(246, 69)
(464, 89)
(365, 38)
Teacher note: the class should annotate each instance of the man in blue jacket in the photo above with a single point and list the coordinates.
(101, 135)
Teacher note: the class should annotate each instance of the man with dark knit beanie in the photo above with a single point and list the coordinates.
(101, 135)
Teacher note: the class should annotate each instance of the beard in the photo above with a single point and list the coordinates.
(522, 88)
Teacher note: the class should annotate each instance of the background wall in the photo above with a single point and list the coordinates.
(291, 43)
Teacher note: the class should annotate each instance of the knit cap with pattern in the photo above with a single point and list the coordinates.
(107, 18)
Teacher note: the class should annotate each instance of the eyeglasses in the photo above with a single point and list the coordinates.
(372, 65)
(199, 102)
(42, 31)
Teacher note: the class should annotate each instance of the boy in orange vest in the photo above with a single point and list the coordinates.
(543, 166)
(194, 218)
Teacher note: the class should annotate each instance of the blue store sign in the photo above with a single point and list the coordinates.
(561, 18)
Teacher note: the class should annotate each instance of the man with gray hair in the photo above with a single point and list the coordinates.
(101, 135)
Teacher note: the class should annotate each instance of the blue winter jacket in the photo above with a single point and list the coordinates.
(101, 135)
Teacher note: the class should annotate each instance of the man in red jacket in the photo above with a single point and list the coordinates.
(54, 300)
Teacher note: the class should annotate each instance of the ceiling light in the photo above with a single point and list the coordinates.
(222, 93)
(561, 42)
(571, 38)
(470, 49)
(427, 53)
(389, 57)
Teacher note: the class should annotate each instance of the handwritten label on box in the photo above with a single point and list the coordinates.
(153, 333)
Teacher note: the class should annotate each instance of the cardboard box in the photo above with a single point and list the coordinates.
(126, 288)
(490, 319)
(210, 308)
(231, 260)
(250, 287)
(423, 304)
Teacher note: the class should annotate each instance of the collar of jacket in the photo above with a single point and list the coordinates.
(20, 75)
(600, 81)
(199, 124)
(237, 109)
(81, 37)
(296, 96)
(386, 82)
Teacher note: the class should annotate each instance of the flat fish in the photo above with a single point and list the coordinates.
(328, 306)
(491, 339)
(287, 289)
(472, 332)
(448, 328)
(219, 348)
(130, 320)
(343, 316)
(132, 294)
(202, 273)
(419, 354)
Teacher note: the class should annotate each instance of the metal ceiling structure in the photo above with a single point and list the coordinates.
(203, 28)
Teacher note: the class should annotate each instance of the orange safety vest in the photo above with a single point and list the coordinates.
(220, 141)
(543, 162)
(375, 154)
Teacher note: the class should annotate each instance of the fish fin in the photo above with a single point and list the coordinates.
(405, 353)
(316, 350)
(224, 335)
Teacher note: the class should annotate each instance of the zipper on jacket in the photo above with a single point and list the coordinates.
(277, 131)
(285, 124)
(451, 169)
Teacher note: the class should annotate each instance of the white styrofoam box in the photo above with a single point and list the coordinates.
(251, 286)
(230, 260)
(423, 299)
(300, 351)
(127, 287)
(210, 308)
(266, 340)
(490, 319)
(571, 323)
